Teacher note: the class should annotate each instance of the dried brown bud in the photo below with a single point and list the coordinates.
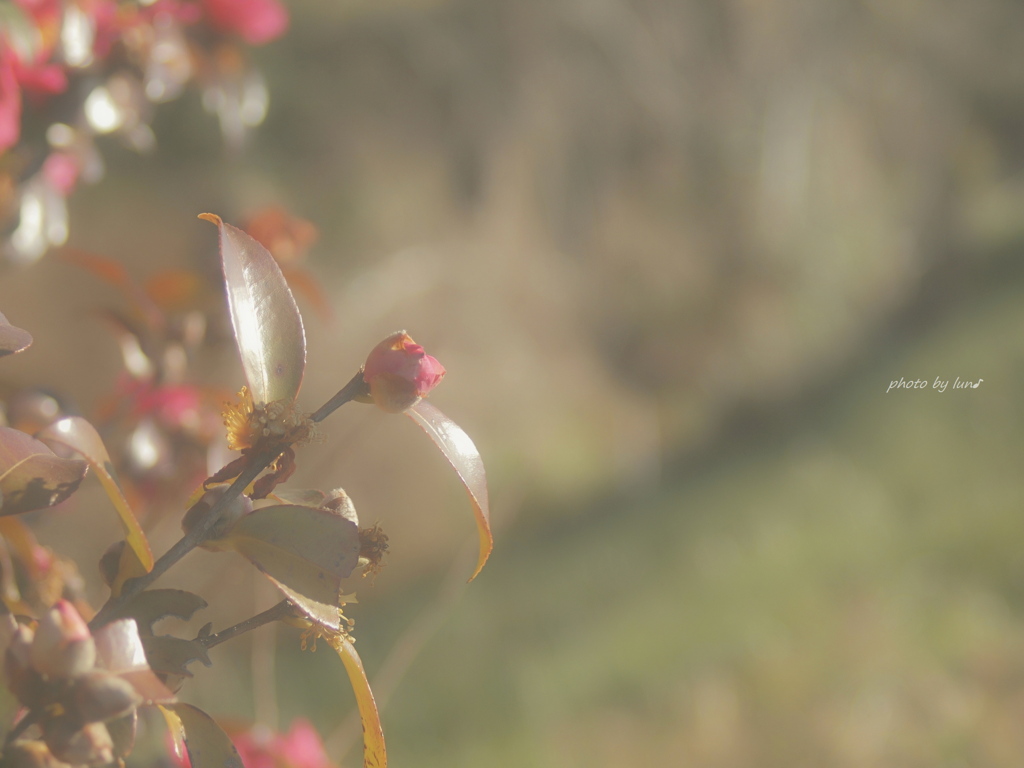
(100, 696)
(80, 745)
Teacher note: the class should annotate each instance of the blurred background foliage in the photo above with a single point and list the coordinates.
(672, 252)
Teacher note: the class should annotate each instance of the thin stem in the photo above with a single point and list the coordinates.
(31, 718)
(274, 613)
(356, 387)
(198, 534)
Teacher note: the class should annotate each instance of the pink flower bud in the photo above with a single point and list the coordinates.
(63, 646)
(399, 373)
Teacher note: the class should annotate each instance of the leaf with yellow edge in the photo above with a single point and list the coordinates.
(374, 753)
(79, 435)
(462, 454)
(207, 744)
(32, 476)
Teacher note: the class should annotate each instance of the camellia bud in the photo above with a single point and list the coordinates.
(399, 373)
(63, 645)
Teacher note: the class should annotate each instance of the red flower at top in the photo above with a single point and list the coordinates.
(255, 21)
(400, 373)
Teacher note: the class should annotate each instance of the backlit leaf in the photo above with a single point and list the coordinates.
(79, 435)
(304, 551)
(207, 744)
(32, 476)
(462, 454)
(374, 752)
(12, 338)
(266, 320)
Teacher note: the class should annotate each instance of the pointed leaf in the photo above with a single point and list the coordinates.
(12, 338)
(304, 551)
(374, 752)
(267, 323)
(462, 454)
(32, 476)
(207, 744)
(79, 435)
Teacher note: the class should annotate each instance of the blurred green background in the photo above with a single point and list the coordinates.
(672, 254)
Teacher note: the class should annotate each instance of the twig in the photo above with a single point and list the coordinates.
(274, 613)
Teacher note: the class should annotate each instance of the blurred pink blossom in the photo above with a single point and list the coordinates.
(255, 21)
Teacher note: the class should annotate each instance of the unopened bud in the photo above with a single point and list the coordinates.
(63, 645)
(76, 744)
(100, 696)
(400, 373)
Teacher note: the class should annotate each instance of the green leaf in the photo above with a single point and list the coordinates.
(32, 476)
(12, 338)
(462, 454)
(207, 744)
(306, 552)
(374, 752)
(266, 320)
(79, 435)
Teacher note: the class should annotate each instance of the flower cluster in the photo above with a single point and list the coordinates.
(75, 686)
(79, 69)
